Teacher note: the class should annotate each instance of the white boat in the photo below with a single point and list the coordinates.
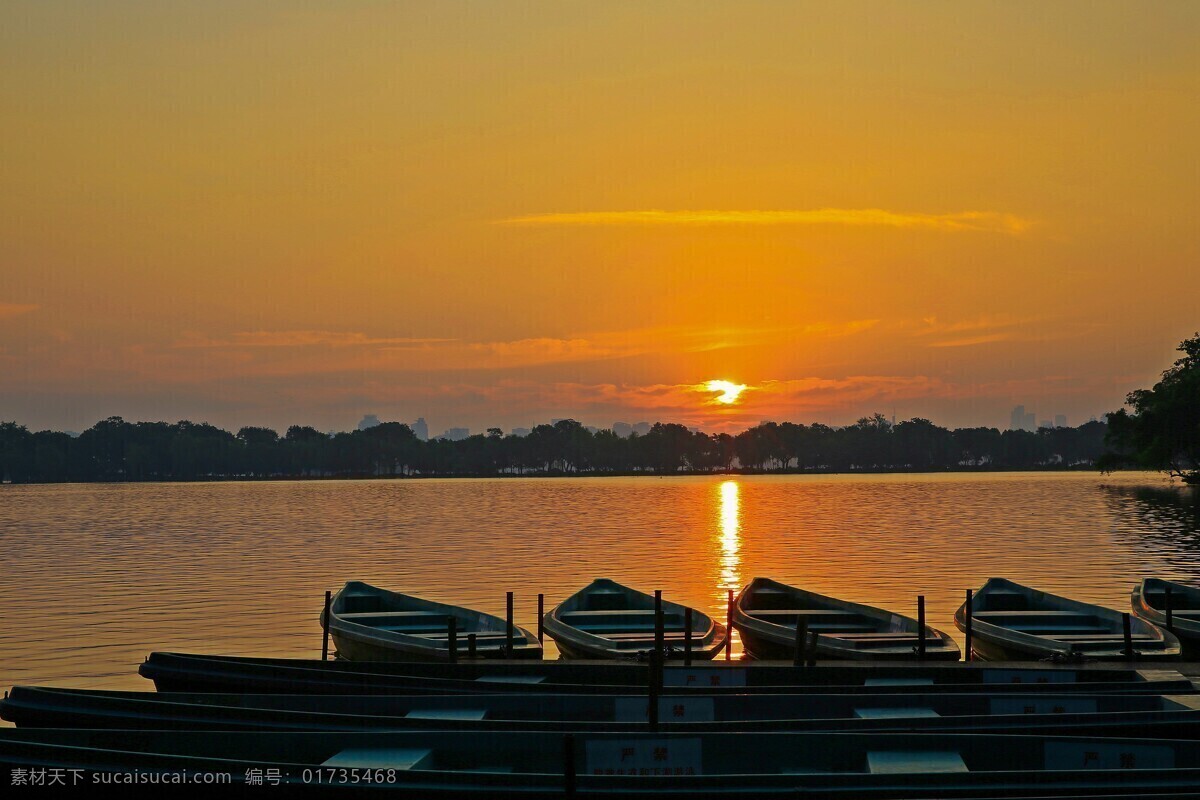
(1149, 601)
(371, 624)
(608, 620)
(766, 614)
(1011, 621)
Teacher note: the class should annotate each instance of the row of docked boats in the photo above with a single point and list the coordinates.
(530, 729)
(425, 722)
(605, 620)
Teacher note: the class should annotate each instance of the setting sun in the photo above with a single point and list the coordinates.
(729, 391)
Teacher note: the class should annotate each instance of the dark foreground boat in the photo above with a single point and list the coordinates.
(195, 673)
(456, 763)
(1150, 716)
(1151, 599)
(608, 620)
(1011, 621)
(371, 624)
(767, 613)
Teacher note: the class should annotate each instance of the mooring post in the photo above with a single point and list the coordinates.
(968, 632)
(452, 639)
(801, 654)
(472, 645)
(325, 628)
(729, 628)
(1128, 630)
(687, 637)
(508, 616)
(920, 626)
(658, 624)
(652, 688)
(541, 613)
(568, 764)
(1168, 609)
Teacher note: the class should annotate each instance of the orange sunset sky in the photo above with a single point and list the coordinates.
(495, 213)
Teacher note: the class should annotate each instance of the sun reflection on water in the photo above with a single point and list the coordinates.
(730, 535)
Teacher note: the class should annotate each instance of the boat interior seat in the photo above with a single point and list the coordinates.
(462, 640)
(616, 621)
(357, 602)
(1005, 600)
(766, 598)
(921, 761)
(607, 600)
(405, 621)
(669, 635)
(1107, 636)
(381, 758)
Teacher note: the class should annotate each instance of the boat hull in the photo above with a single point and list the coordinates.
(766, 614)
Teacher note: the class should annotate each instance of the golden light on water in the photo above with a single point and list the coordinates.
(728, 391)
(730, 535)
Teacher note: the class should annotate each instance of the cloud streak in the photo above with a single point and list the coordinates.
(988, 221)
(16, 309)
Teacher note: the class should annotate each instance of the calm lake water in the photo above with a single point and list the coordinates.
(97, 576)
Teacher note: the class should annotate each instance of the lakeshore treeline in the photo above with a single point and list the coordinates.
(116, 450)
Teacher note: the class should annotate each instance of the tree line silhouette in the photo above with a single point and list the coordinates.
(116, 450)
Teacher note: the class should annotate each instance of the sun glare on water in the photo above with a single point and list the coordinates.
(728, 391)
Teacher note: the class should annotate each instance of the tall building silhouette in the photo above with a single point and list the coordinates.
(1021, 421)
(368, 421)
(420, 429)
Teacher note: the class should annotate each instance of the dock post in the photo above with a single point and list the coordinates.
(659, 634)
(729, 628)
(1128, 630)
(652, 689)
(920, 626)
(1168, 610)
(801, 654)
(687, 637)
(968, 632)
(472, 644)
(325, 628)
(541, 613)
(452, 639)
(508, 641)
(568, 764)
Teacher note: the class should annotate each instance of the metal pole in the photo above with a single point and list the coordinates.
(969, 633)
(541, 613)
(508, 641)
(729, 628)
(1128, 629)
(325, 628)
(801, 654)
(568, 764)
(1169, 610)
(472, 644)
(658, 624)
(920, 626)
(652, 689)
(687, 637)
(452, 639)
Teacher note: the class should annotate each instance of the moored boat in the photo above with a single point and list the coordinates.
(608, 620)
(1011, 621)
(767, 613)
(533, 764)
(182, 672)
(371, 624)
(1152, 598)
(1150, 716)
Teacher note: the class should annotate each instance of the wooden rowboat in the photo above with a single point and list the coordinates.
(1010, 621)
(766, 614)
(608, 620)
(695, 765)
(371, 624)
(181, 672)
(1149, 601)
(1149, 716)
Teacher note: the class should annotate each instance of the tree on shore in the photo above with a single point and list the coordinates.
(1163, 432)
